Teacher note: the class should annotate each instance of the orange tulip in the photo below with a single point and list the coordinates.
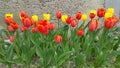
(14, 25)
(101, 12)
(58, 39)
(80, 32)
(8, 20)
(93, 25)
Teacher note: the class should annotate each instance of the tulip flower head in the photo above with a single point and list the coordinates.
(58, 39)
(9, 15)
(92, 14)
(108, 14)
(80, 32)
(52, 26)
(64, 18)
(68, 20)
(101, 12)
(34, 29)
(74, 22)
(59, 14)
(110, 10)
(11, 38)
(84, 17)
(11, 29)
(46, 16)
(35, 18)
(93, 25)
(110, 22)
(78, 15)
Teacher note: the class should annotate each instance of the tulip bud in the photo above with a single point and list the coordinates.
(92, 13)
(108, 14)
(59, 14)
(11, 38)
(52, 26)
(84, 17)
(35, 18)
(80, 32)
(9, 15)
(64, 17)
(110, 10)
(46, 16)
(58, 39)
(78, 15)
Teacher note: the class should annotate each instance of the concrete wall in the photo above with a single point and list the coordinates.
(46, 6)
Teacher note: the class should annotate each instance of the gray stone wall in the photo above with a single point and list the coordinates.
(39, 7)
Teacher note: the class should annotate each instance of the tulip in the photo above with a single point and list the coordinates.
(68, 20)
(93, 25)
(110, 10)
(35, 18)
(78, 15)
(80, 32)
(59, 14)
(8, 20)
(11, 29)
(27, 22)
(110, 22)
(23, 28)
(9, 15)
(52, 26)
(84, 17)
(11, 38)
(14, 25)
(23, 14)
(64, 17)
(46, 16)
(58, 39)
(92, 13)
(107, 15)
(101, 12)
(34, 29)
(73, 22)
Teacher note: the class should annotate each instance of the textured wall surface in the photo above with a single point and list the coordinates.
(46, 6)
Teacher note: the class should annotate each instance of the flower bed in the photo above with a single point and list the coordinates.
(56, 45)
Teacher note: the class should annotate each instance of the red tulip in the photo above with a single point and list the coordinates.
(78, 15)
(14, 25)
(34, 29)
(52, 26)
(93, 25)
(73, 22)
(68, 20)
(11, 38)
(92, 15)
(110, 22)
(28, 22)
(101, 12)
(59, 14)
(23, 14)
(80, 32)
(23, 28)
(58, 39)
(11, 29)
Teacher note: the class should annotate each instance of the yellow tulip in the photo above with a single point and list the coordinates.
(9, 15)
(110, 10)
(93, 11)
(64, 17)
(84, 17)
(35, 18)
(108, 14)
(46, 16)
